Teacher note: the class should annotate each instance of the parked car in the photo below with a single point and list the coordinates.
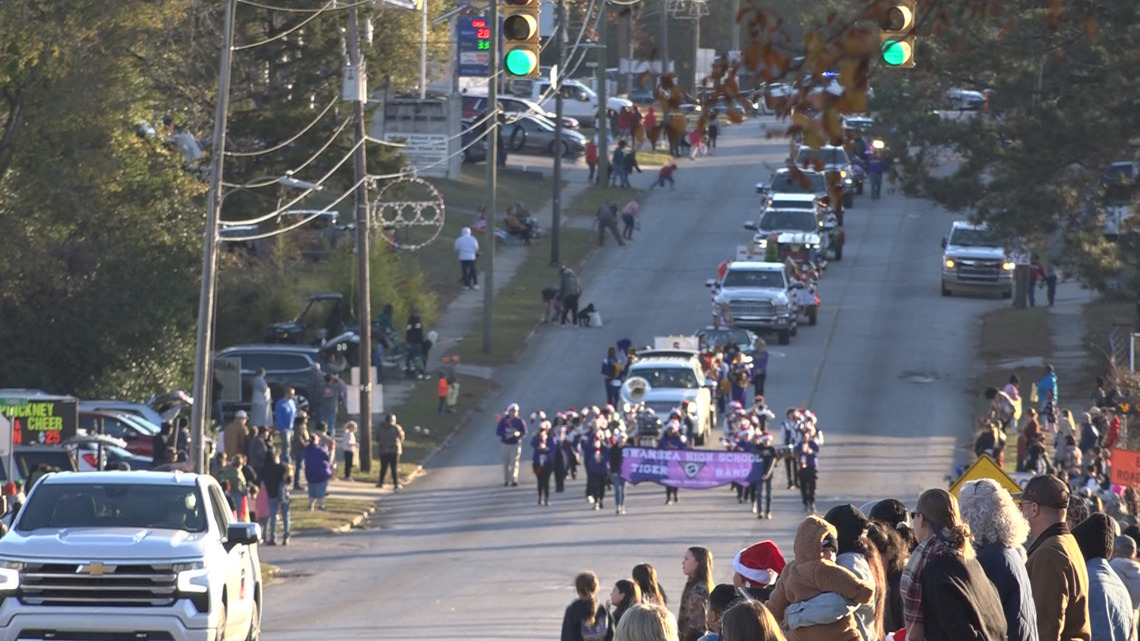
(85, 450)
(29, 457)
(136, 433)
(964, 99)
(476, 104)
(474, 146)
(527, 134)
(293, 366)
(157, 410)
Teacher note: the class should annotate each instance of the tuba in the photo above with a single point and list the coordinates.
(634, 389)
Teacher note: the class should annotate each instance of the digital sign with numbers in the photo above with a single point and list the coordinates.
(41, 421)
(474, 51)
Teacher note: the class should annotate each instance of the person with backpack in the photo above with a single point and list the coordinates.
(585, 618)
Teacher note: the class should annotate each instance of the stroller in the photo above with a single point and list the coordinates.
(553, 304)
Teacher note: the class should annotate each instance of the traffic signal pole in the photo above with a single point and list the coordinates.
(556, 198)
(603, 116)
(492, 176)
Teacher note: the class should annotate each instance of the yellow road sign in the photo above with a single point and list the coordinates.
(986, 468)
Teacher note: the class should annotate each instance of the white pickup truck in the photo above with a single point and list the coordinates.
(132, 555)
(578, 100)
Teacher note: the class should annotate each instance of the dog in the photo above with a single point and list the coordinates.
(584, 315)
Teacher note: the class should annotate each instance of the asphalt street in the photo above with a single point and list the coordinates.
(458, 556)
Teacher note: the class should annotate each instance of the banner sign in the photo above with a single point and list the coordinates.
(690, 469)
(41, 421)
(1126, 467)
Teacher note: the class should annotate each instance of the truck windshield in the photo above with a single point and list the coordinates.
(57, 506)
(667, 377)
(788, 220)
(963, 237)
(769, 278)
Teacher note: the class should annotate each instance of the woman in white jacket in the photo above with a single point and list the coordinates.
(467, 248)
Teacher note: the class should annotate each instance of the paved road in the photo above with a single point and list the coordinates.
(458, 556)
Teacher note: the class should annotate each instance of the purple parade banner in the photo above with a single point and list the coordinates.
(690, 469)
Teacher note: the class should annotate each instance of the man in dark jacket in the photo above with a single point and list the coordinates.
(1057, 571)
(414, 337)
(965, 604)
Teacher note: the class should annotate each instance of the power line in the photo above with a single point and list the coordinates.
(246, 154)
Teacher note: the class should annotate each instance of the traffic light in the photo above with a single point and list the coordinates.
(520, 38)
(896, 44)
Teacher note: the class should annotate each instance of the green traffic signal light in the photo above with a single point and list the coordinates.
(520, 62)
(895, 53)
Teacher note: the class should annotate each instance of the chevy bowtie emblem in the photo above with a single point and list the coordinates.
(95, 569)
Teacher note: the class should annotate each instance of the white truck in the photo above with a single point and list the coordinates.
(138, 555)
(757, 296)
(578, 100)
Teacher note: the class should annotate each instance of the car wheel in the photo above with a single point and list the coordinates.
(945, 290)
(813, 315)
(565, 148)
(254, 623)
(784, 338)
(220, 634)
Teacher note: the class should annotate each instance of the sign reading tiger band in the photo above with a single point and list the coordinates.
(690, 469)
(41, 420)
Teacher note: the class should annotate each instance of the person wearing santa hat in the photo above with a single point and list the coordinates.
(755, 569)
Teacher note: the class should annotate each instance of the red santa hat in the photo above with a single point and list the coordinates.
(759, 564)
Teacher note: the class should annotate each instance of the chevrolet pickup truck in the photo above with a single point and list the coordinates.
(153, 556)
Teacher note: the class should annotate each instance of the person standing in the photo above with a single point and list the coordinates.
(262, 400)
(350, 447)
(389, 446)
(1051, 283)
(625, 595)
(790, 429)
(714, 129)
(297, 451)
(276, 476)
(762, 489)
(318, 472)
(618, 177)
(592, 160)
(1124, 564)
(328, 402)
(855, 552)
(876, 167)
(285, 415)
(998, 531)
(1110, 606)
(607, 221)
(1057, 571)
(645, 576)
(585, 619)
(595, 451)
(257, 448)
(629, 215)
(672, 439)
(612, 373)
(807, 455)
(1036, 278)
(569, 290)
(511, 431)
(697, 566)
(630, 165)
(617, 457)
(467, 250)
(236, 434)
(759, 366)
(545, 450)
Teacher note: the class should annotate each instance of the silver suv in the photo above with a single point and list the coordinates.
(975, 260)
(673, 376)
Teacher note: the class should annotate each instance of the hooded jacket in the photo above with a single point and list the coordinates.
(850, 524)
(810, 575)
(1110, 607)
(466, 246)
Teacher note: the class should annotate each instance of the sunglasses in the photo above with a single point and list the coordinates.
(915, 515)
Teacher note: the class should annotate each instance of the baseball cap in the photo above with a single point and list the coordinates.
(1046, 490)
(241, 414)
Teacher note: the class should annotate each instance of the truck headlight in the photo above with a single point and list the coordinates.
(10, 575)
(950, 263)
(1007, 266)
(194, 583)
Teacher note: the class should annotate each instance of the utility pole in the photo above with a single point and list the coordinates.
(663, 45)
(735, 25)
(203, 365)
(423, 48)
(696, 54)
(492, 175)
(603, 114)
(556, 199)
(363, 242)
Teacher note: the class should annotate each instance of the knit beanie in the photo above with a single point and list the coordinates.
(1094, 536)
(889, 511)
(850, 526)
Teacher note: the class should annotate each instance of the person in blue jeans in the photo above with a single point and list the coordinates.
(284, 415)
(617, 455)
(277, 476)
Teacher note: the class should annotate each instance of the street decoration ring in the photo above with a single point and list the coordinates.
(415, 220)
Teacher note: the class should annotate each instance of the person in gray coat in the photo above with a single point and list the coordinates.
(608, 219)
(569, 291)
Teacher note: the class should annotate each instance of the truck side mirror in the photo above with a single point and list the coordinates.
(751, 226)
(242, 534)
(943, 242)
(710, 282)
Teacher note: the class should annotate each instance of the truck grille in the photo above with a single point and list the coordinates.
(979, 271)
(70, 584)
(69, 635)
(752, 308)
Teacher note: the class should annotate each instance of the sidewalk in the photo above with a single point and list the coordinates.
(1067, 329)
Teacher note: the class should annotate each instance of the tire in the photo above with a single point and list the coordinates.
(220, 635)
(848, 200)
(783, 338)
(945, 291)
(517, 139)
(254, 623)
(813, 315)
(838, 253)
(563, 145)
(1007, 293)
